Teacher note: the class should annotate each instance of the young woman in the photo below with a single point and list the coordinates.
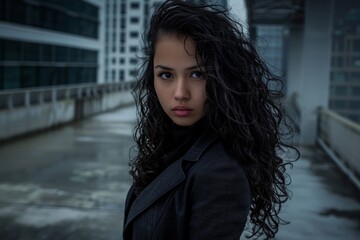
(208, 138)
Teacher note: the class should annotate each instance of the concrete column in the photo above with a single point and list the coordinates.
(315, 66)
(294, 60)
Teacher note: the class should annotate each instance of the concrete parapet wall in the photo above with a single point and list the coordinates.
(27, 119)
(342, 137)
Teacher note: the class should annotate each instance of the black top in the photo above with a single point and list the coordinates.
(181, 139)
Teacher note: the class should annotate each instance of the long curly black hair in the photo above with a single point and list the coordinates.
(240, 106)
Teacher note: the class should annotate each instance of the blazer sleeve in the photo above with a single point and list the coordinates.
(220, 200)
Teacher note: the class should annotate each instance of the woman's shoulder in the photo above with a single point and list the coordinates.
(219, 175)
(217, 160)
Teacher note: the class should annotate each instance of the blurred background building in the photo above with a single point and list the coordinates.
(315, 46)
(345, 60)
(124, 24)
(50, 42)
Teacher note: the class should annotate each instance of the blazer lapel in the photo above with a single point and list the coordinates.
(167, 180)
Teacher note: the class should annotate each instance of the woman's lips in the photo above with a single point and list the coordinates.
(182, 111)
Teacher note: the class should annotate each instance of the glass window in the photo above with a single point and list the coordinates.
(61, 54)
(17, 11)
(90, 56)
(134, 20)
(114, 23)
(123, 9)
(83, 27)
(133, 49)
(134, 34)
(135, 5)
(339, 104)
(92, 28)
(341, 90)
(3, 9)
(31, 52)
(65, 16)
(354, 77)
(73, 25)
(33, 16)
(355, 91)
(62, 22)
(45, 73)
(113, 73)
(12, 50)
(2, 57)
(47, 53)
(92, 75)
(91, 10)
(338, 76)
(340, 62)
(54, 76)
(11, 77)
(75, 55)
(115, 8)
(355, 61)
(122, 38)
(106, 75)
(60, 76)
(122, 23)
(29, 77)
(354, 105)
(48, 18)
(132, 73)
(356, 45)
(133, 61)
(121, 75)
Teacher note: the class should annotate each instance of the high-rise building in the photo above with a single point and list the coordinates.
(124, 24)
(270, 44)
(345, 67)
(49, 42)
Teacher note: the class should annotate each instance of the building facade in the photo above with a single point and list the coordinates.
(345, 60)
(49, 42)
(270, 43)
(124, 25)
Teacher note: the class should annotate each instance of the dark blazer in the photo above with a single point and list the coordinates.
(203, 195)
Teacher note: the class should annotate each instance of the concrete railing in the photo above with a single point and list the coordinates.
(28, 110)
(340, 138)
(292, 111)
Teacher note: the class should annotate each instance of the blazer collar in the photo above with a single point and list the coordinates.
(167, 180)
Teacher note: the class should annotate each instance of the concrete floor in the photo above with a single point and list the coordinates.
(71, 183)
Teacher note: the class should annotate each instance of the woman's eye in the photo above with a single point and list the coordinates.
(196, 74)
(165, 75)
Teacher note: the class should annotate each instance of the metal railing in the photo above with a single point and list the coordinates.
(340, 139)
(10, 99)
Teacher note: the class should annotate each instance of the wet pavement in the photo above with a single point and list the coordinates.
(71, 183)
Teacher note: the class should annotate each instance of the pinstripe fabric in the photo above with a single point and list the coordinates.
(203, 195)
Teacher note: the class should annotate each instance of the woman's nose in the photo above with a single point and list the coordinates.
(181, 90)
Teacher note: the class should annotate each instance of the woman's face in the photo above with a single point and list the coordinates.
(178, 81)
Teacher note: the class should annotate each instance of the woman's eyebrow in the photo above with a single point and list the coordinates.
(164, 67)
(169, 68)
